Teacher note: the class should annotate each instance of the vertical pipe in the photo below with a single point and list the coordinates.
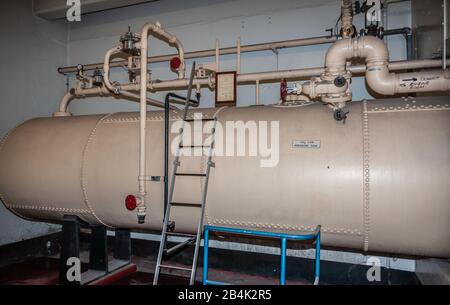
(283, 262)
(143, 116)
(409, 46)
(257, 92)
(166, 152)
(444, 46)
(347, 19)
(317, 267)
(238, 64)
(217, 55)
(205, 256)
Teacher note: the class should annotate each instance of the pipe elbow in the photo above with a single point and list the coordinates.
(380, 80)
(372, 49)
(338, 54)
(64, 105)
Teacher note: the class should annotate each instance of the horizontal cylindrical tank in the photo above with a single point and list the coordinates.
(378, 182)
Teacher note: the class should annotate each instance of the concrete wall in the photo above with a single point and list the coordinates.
(31, 50)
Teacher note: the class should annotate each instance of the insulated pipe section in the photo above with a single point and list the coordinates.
(378, 76)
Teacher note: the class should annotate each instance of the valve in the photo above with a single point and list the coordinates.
(340, 115)
(128, 41)
(141, 213)
(97, 78)
(340, 81)
(131, 202)
(175, 64)
(80, 70)
(141, 218)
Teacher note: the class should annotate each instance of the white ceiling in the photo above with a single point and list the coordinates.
(55, 9)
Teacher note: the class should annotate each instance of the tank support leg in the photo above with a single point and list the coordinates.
(101, 271)
(98, 252)
(70, 250)
(122, 245)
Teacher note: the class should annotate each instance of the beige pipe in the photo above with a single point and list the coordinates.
(378, 76)
(156, 30)
(212, 52)
(257, 92)
(118, 90)
(96, 92)
(242, 79)
(297, 74)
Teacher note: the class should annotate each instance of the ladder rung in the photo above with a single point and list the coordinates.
(175, 267)
(194, 146)
(203, 120)
(179, 247)
(190, 174)
(180, 234)
(183, 204)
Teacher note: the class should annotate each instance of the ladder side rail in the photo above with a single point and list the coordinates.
(176, 164)
(200, 224)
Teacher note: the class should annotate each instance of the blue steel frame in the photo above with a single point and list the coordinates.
(284, 237)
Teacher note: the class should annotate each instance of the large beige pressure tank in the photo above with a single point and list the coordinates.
(379, 182)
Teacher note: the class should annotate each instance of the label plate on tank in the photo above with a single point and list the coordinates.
(311, 144)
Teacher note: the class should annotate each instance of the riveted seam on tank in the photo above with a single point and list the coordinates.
(286, 227)
(158, 118)
(3, 140)
(411, 106)
(47, 208)
(2, 143)
(14, 211)
(366, 175)
(83, 169)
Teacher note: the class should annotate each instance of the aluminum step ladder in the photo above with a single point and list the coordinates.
(169, 226)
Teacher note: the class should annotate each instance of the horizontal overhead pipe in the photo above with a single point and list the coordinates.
(243, 79)
(212, 52)
(251, 78)
(78, 93)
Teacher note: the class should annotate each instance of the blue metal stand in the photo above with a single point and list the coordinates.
(284, 238)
